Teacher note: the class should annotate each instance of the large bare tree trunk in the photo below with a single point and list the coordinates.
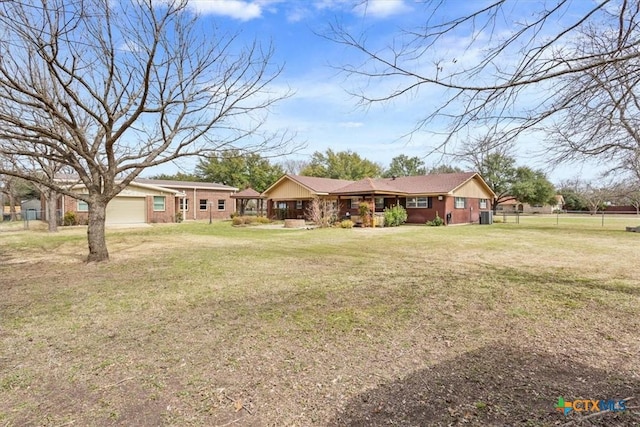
(12, 206)
(95, 232)
(52, 210)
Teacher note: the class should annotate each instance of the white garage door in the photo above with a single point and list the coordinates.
(126, 210)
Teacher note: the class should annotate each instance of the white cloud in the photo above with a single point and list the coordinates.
(382, 8)
(236, 9)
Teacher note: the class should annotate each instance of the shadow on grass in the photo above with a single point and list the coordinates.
(496, 386)
(518, 275)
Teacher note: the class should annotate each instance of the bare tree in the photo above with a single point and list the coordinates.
(111, 88)
(632, 196)
(599, 109)
(631, 166)
(508, 66)
(49, 171)
(322, 212)
(627, 193)
(629, 188)
(596, 196)
(294, 166)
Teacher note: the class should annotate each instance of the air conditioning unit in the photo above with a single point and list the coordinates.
(486, 217)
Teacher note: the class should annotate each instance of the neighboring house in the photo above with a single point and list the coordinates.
(462, 195)
(199, 200)
(155, 201)
(513, 205)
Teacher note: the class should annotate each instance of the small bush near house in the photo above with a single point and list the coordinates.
(436, 222)
(395, 216)
(322, 212)
(69, 218)
(365, 213)
(347, 223)
(179, 217)
(250, 220)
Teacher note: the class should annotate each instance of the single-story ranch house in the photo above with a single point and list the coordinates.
(462, 195)
(153, 201)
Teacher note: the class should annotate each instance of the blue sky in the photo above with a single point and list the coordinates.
(320, 111)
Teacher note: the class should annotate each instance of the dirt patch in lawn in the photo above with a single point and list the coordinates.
(497, 385)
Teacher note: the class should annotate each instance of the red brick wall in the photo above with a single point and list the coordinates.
(169, 213)
(469, 214)
(212, 197)
(71, 205)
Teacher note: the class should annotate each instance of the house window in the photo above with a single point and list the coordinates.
(419, 202)
(460, 202)
(203, 204)
(184, 204)
(221, 204)
(158, 203)
(355, 203)
(379, 203)
(298, 204)
(83, 206)
(483, 203)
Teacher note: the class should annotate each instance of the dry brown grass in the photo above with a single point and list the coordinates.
(209, 325)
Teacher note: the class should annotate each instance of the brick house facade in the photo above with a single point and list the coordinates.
(460, 197)
(160, 201)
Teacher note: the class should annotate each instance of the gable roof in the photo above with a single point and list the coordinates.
(247, 193)
(371, 186)
(320, 186)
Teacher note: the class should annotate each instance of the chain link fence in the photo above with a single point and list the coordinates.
(28, 215)
(602, 219)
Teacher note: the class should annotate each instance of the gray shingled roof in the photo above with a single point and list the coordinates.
(185, 184)
(319, 185)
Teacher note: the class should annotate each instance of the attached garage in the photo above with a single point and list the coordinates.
(126, 210)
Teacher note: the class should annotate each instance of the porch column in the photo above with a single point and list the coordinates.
(373, 210)
(193, 204)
